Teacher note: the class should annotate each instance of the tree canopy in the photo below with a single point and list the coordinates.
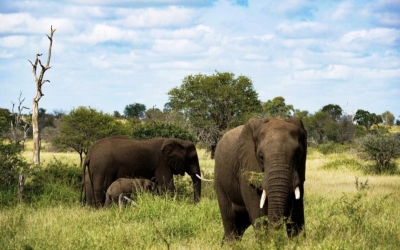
(334, 111)
(277, 108)
(388, 118)
(215, 103)
(135, 110)
(367, 119)
(83, 126)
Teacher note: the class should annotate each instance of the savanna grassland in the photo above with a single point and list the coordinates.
(345, 209)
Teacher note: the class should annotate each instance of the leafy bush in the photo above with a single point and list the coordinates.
(382, 149)
(12, 164)
(57, 182)
(159, 129)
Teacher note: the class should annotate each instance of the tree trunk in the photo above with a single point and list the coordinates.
(35, 105)
(36, 134)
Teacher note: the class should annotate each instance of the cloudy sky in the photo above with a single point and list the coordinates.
(111, 53)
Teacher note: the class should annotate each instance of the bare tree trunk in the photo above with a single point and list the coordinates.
(18, 122)
(35, 131)
(35, 104)
(21, 182)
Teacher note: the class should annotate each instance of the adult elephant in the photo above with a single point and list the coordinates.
(276, 150)
(118, 157)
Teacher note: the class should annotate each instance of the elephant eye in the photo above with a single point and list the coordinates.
(261, 159)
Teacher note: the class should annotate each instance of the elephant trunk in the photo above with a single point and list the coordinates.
(196, 188)
(278, 190)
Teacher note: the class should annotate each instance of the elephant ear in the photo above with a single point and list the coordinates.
(174, 153)
(247, 145)
(303, 139)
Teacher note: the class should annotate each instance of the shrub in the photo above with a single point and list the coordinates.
(57, 182)
(381, 149)
(12, 164)
(161, 129)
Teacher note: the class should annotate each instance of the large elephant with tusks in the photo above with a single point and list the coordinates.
(274, 149)
(117, 157)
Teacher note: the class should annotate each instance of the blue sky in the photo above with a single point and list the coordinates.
(111, 53)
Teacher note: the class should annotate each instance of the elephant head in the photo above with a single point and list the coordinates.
(181, 157)
(277, 149)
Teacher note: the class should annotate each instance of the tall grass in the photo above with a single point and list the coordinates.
(339, 214)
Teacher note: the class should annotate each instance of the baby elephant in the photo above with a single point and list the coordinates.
(124, 188)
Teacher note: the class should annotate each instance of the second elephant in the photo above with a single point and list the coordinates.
(128, 187)
(118, 157)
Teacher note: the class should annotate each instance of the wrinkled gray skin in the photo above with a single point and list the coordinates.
(128, 187)
(117, 157)
(277, 149)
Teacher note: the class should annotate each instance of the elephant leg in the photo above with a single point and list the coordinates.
(165, 182)
(88, 191)
(235, 219)
(242, 220)
(296, 222)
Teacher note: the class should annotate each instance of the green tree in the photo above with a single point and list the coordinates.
(320, 127)
(388, 118)
(116, 114)
(334, 111)
(83, 126)
(5, 120)
(367, 119)
(214, 104)
(151, 130)
(154, 114)
(12, 164)
(382, 149)
(277, 108)
(346, 129)
(136, 110)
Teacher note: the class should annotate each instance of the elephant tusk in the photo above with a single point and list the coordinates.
(263, 198)
(297, 193)
(201, 178)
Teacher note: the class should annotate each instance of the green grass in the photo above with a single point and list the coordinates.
(339, 213)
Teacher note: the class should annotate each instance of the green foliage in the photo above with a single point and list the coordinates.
(83, 126)
(367, 119)
(320, 127)
(136, 110)
(161, 130)
(381, 149)
(334, 111)
(215, 103)
(277, 108)
(12, 164)
(56, 183)
(5, 120)
(254, 179)
(388, 118)
(154, 114)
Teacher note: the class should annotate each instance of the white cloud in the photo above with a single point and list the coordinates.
(177, 47)
(382, 36)
(343, 11)
(153, 18)
(13, 41)
(104, 33)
